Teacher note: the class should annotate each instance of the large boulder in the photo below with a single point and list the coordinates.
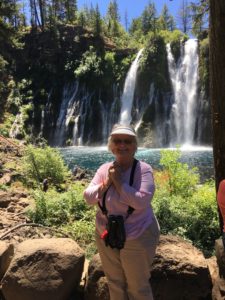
(4, 199)
(96, 287)
(219, 282)
(6, 254)
(46, 269)
(180, 272)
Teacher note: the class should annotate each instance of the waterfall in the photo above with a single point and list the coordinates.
(128, 91)
(66, 112)
(80, 116)
(17, 126)
(143, 108)
(184, 78)
(108, 119)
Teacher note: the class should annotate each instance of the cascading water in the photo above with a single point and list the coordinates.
(184, 78)
(66, 112)
(108, 118)
(80, 117)
(142, 109)
(86, 115)
(128, 92)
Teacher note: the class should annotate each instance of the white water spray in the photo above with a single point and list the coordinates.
(184, 78)
(128, 91)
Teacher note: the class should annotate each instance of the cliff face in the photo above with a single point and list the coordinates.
(77, 82)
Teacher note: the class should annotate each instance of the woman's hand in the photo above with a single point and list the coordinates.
(104, 187)
(115, 176)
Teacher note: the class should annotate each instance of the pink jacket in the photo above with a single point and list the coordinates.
(138, 196)
(221, 200)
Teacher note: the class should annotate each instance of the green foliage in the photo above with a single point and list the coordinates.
(200, 16)
(113, 11)
(90, 65)
(20, 93)
(183, 206)
(67, 211)
(3, 187)
(56, 209)
(203, 223)
(174, 38)
(204, 64)
(6, 124)
(165, 20)
(19, 129)
(181, 179)
(41, 163)
(122, 67)
(153, 62)
(148, 19)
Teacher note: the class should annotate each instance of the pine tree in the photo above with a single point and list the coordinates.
(166, 20)
(149, 18)
(199, 15)
(113, 11)
(97, 25)
(70, 10)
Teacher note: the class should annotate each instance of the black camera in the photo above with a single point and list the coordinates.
(116, 236)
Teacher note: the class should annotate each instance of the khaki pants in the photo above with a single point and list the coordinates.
(128, 270)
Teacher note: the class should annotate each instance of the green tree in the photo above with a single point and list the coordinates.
(113, 11)
(112, 20)
(81, 18)
(97, 21)
(199, 15)
(165, 20)
(9, 41)
(70, 10)
(148, 18)
(135, 25)
(41, 163)
(182, 180)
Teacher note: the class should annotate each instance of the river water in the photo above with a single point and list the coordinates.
(92, 157)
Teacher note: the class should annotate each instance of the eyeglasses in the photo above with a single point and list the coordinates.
(122, 141)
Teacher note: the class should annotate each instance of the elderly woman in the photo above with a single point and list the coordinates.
(127, 231)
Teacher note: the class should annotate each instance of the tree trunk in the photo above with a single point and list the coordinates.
(217, 85)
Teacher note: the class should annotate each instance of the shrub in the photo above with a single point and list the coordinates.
(183, 206)
(182, 180)
(41, 163)
(67, 211)
(91, 64)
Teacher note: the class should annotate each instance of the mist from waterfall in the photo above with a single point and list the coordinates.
(128, 92)
(184, 78)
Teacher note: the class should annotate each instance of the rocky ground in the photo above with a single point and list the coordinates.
(15, 199)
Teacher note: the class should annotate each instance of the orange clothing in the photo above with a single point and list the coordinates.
(221, 200)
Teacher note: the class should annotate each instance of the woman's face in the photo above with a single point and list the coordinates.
(123, 146)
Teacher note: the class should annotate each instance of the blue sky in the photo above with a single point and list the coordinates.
(134, 8)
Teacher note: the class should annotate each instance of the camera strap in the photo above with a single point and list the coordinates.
(130, 209)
